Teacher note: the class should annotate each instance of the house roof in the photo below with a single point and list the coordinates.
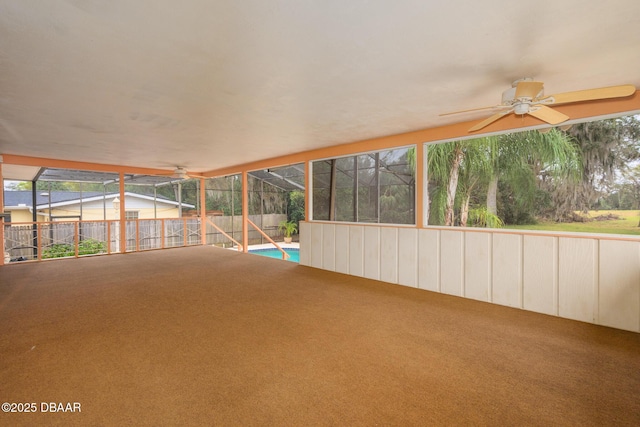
(24, 198)
(213, 84)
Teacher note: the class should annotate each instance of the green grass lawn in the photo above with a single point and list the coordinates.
(627, 225)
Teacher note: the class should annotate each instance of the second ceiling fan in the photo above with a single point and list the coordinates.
(526, 96)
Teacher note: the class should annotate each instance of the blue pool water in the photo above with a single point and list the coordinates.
(294, 254)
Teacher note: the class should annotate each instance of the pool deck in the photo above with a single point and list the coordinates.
(292, 245)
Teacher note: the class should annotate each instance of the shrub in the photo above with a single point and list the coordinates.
(85, 247)
(481, 217)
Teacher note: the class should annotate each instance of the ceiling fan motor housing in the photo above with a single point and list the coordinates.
(508, 96)
(180, 172)
(521, 108)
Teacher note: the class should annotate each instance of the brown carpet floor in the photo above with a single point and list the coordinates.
(205, 336)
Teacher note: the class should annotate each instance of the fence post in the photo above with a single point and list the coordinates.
(76, 239)
(39, 235)
(137, 235)
(162, 233)
(185, 232)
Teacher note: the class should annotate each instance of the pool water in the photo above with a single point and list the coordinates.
(294, 254)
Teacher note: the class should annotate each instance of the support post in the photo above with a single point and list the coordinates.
(245, 211)
(123, 222)
(308, 202)
(420, 184)
(34, 218)
(1, 211)
(203, 212)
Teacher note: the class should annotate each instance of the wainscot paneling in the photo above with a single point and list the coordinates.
(317, 244)
(540, 274)
(408, 257)
(619, 290)
(451, 265)
(356, 250)
(577, 278)
(304, 236)
(429, 259)
(590, 278)
(389, 254)
(477, 266)
(342, 249)
(329, 247)
(507, 270)
(372, 252)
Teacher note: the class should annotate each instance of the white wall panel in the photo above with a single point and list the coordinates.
(619, 290)
(356, 250)
(477, 266)
(582, 278)
(316, 242)
(389, 254)
(305, 243)
(429, 259)
(577, 278)
(342, 249)
(372, 252)
(507, 270)
(451, 266)
(540, 273)
(329, 247)
(408, 257)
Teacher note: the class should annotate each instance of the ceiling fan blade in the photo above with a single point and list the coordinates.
(528, 89)
(467, 111)
(593, 94)
(548, 115)
(487, 122)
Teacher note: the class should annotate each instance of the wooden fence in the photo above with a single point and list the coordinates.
(31, 241)
(232, 225)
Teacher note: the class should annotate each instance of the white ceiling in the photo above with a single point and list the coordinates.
(208, 84)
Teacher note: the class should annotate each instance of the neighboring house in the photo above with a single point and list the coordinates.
(87, 206)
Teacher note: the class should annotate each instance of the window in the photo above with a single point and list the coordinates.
(579, 178)
(130, 215)
(376, 187)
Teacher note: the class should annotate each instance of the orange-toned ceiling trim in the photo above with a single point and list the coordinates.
(511, 122)
(11, 159)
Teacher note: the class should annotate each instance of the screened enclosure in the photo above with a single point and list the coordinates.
(76, 213)
(377, 187)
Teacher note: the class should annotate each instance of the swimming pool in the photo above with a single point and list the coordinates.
(294, 254)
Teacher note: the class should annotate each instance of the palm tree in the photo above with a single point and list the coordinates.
(476, 167)
(525, 158)
(443, 163)
(458, 169)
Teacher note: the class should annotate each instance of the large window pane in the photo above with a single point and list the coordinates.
(377, 187)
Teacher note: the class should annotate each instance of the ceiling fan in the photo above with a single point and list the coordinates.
(181, 173)
(526, 96)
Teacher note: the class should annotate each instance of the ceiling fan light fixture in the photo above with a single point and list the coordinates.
(180, 173)
(521, 108)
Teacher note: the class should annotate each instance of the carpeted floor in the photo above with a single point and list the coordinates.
(205, 336)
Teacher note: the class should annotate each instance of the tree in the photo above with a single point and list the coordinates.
(531, 160)
(443, 165)
(460, 169)
(607, 146)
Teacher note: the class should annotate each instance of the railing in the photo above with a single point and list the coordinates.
(28, 241)
(285, 255)
(31, 241)
(221, 231)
